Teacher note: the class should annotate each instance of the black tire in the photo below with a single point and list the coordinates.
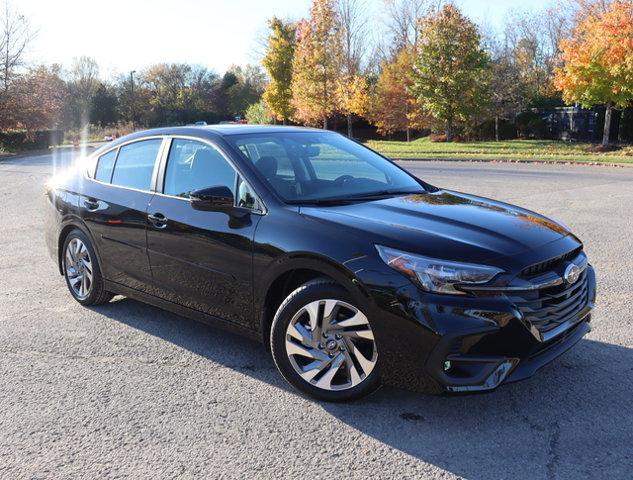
(97, 294)
(310, 292)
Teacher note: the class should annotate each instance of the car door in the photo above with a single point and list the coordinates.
(114, 208)
(202, 259)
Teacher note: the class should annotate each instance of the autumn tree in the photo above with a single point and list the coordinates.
(393, 107)
(352, 89)
(278, 61)
(316, 65)
(450, 76)
(165, 85)
(598, 61)
(35, 100)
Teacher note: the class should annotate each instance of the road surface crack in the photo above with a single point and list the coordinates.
(552, 452)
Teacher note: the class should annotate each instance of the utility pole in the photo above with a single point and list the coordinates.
(132, 99)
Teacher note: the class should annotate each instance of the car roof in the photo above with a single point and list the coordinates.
(208, 131)
(222, 130)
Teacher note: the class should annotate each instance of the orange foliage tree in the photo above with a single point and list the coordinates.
(598, 60)
(393, 107)
(317, 65)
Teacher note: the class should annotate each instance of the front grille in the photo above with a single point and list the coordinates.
(549, 264)
(549, 307)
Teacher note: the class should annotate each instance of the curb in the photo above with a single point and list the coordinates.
(39, 153)
(33, 153)
(516, 160)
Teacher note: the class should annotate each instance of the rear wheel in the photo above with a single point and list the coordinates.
(81, 270)
(323, 344)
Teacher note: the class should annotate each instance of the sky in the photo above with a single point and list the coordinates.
(125, 35)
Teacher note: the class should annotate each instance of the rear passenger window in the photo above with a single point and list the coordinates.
(105, 165)
(135, 164)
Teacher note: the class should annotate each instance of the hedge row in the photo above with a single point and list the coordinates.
(21, 140)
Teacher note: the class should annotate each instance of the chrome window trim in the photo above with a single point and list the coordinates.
(159, 190)
(161, 159)
(119, 146)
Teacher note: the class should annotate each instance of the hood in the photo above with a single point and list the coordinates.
(445, 224)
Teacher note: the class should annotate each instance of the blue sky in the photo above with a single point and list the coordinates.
(130, 34)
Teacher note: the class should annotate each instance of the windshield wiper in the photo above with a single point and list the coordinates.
(384, 193)
(357, 198)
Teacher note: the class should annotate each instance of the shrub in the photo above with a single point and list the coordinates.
(258, 113)
(95, 133)
(438, 137)
(22, 140)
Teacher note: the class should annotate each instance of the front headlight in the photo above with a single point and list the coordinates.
(433, 275)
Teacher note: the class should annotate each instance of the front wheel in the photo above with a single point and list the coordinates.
(324, 345)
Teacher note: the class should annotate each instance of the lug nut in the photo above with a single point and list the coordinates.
(320, 346)
(338, 336)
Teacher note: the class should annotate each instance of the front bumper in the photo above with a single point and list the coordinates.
(466, 344)
(512, 352)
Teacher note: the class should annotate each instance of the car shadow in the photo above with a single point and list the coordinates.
(573, 419)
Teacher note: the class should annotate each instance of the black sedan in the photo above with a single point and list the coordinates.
(350, 269)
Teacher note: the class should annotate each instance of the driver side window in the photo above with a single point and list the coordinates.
(193, 165)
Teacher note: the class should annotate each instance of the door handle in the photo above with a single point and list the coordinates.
(158, 220)
(91, 204)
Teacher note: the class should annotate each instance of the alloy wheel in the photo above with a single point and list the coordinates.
(78, 266)
(331, 345)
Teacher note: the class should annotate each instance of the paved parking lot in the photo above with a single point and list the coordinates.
(127, 390)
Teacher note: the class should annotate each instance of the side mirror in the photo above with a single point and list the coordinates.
(212, 199)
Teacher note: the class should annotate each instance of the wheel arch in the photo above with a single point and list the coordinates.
(69, 224)
(292, 272)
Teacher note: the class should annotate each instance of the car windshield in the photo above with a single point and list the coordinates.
(305, 167)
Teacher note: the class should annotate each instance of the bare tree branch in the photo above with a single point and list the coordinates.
(353, 20)
(15, 36)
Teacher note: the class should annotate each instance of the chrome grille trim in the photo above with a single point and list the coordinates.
(546, 310)
(548, 304)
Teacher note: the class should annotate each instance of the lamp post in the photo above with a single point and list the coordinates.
(132, 99)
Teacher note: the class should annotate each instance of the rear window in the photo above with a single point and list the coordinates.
(135, 164)
(105, 166)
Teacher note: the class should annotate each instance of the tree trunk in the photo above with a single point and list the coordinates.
(324, 123)
(284, 121)
(349, 126)
(449, 130)
(497, 128)
(607, 124)
(408, 134)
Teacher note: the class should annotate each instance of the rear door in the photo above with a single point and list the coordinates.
(115, 210)
(202, 259)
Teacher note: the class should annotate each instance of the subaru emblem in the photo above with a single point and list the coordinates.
(572, 273)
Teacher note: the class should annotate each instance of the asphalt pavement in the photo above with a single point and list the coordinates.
(129, 391)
